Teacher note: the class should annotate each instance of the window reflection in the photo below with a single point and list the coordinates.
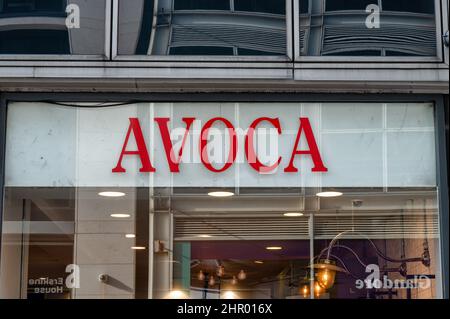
(200, 27)
(350, 28)
(31, 41)
(205, 248)
(201, 5)
(26, 7)
(338, 5)
(39, 27)
(378, 206)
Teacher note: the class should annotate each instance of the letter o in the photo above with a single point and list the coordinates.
(204, 143)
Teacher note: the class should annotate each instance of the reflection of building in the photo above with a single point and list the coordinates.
(338, 28)
(167, 27)
(39, 27)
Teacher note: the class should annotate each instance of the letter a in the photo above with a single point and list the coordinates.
(373, 19)
(313, 150)
(147, 167)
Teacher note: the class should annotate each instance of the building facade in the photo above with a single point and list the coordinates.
(224, 149)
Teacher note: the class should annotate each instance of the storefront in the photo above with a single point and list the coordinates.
(224, 196)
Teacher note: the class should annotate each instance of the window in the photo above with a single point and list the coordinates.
(304, 6)
(391, 28)
(268, 6)
(242, 51)
(337, 5)
(34, 42)
(38, 27)
(226, 28)
(201, 50)
(417, 6)
(375, 208)
(24, 7)
(359, 53)
(202, 5)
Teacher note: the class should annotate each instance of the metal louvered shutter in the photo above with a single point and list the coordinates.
(378, 226)
(382, 226)
(234, 228)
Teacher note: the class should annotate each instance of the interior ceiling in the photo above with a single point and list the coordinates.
(59, 203)
(255, 273)
(259, 264)
(397, 213)
(249, 249)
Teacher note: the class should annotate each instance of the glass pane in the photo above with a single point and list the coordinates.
(201, 4)
(52, 27)
(274, 6)
(84, 216)
(35, 42)
(201, 50)
(30, 6)
(382, 245)
(338, 5)
(198, 27)
(304, 6)
(367, 28)
(418, 6)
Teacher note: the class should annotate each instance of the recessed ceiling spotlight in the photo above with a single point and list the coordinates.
(221, 194)
(274, 248)
(111, 194)
(120, 215)
(138, 248)
(293, 214)
(204, 236)
(329, 194)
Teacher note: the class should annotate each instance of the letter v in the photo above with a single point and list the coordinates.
(173, 162)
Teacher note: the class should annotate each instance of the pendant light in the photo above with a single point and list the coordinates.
(211, 281)
(326, 273)
(304, 291)
(220, 271)
(242, 275)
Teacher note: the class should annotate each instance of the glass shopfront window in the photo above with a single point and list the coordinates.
(197, 27)
(265, 200)
(368, 28)
(56, 27)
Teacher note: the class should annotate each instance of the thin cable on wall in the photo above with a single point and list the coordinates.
(98, 105)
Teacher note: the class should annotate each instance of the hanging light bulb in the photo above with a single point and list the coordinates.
(212, 281)
(326, 274)
(317, 289)
(325, 278)
(221, 271)
(201, 275)
(242, 275)
(304, 291)
(234, 281)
